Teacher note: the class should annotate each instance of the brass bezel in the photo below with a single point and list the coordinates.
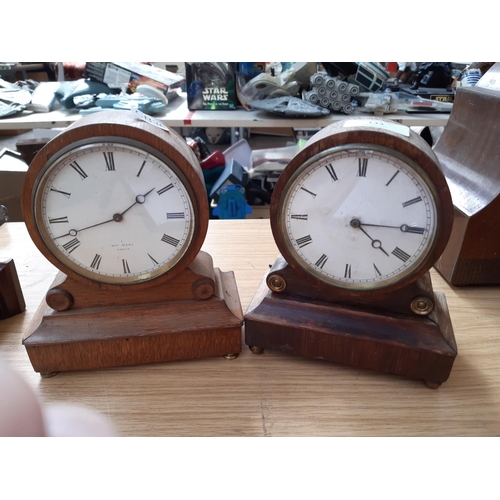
(99, 141)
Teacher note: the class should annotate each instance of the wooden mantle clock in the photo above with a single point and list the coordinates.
(359, 216)
(118, 204)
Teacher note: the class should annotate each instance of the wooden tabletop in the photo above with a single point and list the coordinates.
(271, 394)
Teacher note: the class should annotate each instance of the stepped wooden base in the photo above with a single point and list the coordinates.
(120, 335)
(416, 347)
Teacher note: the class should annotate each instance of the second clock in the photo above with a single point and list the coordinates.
(360, 215)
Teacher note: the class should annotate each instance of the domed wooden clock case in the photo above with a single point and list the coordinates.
(118, 204)
(359, 216)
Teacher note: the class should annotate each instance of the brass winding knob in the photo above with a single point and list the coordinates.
(276, 283)
(422, 306)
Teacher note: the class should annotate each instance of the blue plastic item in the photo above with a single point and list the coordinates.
(232, 203)
(147, 105)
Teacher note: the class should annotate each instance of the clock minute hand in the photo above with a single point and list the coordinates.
(74, 232)
(140, 198)
(405, 228)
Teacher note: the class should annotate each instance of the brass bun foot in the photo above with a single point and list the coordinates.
(231, 356)
(432, 385)
(256, 350)
(48, 374)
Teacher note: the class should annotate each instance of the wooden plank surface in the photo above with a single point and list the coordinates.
(271, 394)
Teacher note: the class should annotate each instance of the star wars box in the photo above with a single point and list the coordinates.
(211, 85)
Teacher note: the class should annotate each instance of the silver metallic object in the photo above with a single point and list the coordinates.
(331, 93)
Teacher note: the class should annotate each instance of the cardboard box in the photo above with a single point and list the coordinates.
(211, 85)
(441, 95)
(133, 74)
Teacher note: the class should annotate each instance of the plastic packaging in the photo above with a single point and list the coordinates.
(392, 102)
(241, 152)
(254, 84)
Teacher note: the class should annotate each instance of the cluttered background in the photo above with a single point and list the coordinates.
(240, 165)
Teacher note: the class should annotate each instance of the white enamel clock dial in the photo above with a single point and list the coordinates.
(114, 212)
(359, 217)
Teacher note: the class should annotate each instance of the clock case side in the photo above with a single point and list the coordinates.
(412, 147)
(469, 152)
(123, 126)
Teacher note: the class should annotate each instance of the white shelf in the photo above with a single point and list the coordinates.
(178, 115)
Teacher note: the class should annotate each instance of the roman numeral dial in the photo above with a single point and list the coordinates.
(331, 171)
(79, 170)
(58, 220)
(304, 241)
(362, 166)
(321, 261)
(115, 213)
(71, 245)
(358, 218)
(96, 262)
(165, 189)
(110, 160)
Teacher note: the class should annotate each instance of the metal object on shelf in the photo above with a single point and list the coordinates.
(291, 106)
(331, 93)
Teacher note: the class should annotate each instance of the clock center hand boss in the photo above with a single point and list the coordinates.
(118, 217)
(356, 223)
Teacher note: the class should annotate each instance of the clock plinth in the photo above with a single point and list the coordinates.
(197, 314)
(415, 346)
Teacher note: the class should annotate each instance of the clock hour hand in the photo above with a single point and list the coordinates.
(139, 199)
(375, 243)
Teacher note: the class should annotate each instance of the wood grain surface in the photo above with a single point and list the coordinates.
(468, 151)
(272, 394)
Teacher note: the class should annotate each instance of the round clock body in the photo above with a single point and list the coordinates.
(363, 207)
(116, 201)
